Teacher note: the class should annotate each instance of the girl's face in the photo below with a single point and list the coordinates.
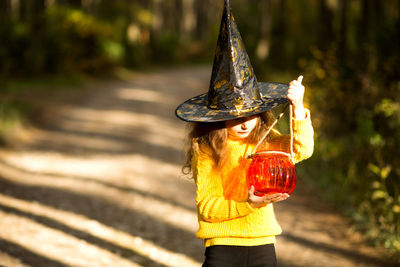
(241, 128)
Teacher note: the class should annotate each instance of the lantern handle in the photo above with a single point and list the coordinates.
(291, 132)
(272, 126)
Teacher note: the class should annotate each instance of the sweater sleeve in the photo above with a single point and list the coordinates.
(303, 139)
(211, 205)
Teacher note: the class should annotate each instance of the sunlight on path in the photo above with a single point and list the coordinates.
(144, 94)
(55, 244)
(101, 185)
(130, 171)
(315, 235)
(79, 222)
(147, 128)
(179, 217)
(9, 261)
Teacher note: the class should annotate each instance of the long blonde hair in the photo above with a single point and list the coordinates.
(211, 138)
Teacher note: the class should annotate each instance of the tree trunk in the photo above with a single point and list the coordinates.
(23, 11)
(89, 5)
(75, 3)
(62, 2)
(280, 48)
(158, 17)
(398, 32)
(14, 9)
(263, 46)
(201, 18)
(168, 15)
(342, 52)
(366, 51)
(188, 18)
(128, 55)
(5, 10)
(365, 34)
(177, 12)
(326, 33)
(36, 10)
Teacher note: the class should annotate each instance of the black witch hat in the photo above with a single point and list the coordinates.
(234, 91)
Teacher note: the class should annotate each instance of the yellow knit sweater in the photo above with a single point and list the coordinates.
(225, 217)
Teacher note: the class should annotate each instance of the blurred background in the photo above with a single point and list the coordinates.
(347, 50)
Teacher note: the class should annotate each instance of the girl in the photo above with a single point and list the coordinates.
(238, 227)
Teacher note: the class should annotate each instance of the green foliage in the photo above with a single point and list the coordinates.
(68, 40)
(12, 114)
(352, 77)
(361, 173)
(113, 50)
(357, 146)
(76, 39)
(165, 48)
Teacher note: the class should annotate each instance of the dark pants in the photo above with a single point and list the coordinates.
(240, 256)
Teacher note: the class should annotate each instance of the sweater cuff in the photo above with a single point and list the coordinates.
(302, 123)
(307, 111)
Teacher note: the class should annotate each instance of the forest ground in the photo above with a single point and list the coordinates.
(95, 181)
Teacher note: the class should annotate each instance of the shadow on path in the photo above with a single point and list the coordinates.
(185, 205)
(349, 254)
(27, 256)
(135, 223)
(123, 252)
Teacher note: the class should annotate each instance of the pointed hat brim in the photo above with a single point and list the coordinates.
(196, 110)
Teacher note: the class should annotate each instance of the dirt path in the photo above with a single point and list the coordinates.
(98, 184)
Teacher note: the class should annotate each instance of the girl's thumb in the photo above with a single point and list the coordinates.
(251, 190)
(300, 78)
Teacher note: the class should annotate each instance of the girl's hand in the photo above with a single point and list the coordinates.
(296, 94)
(258, 202)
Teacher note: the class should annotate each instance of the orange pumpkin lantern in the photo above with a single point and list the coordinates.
(271, 172)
